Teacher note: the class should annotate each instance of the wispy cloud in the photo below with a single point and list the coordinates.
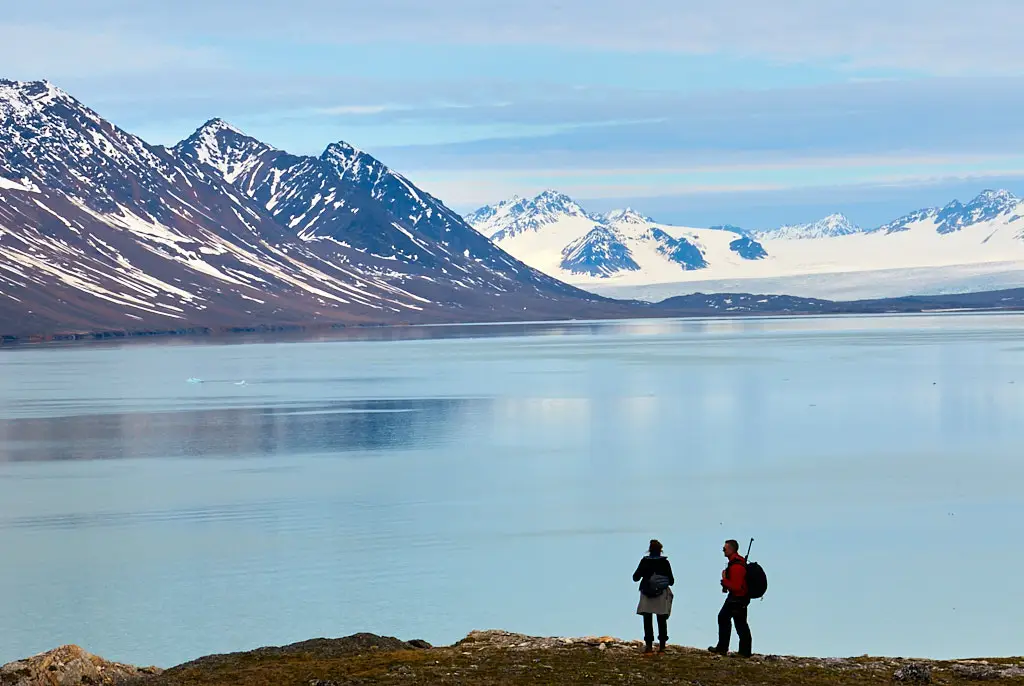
(357, 110)
(469, 189)
(928, 117)
(37, 51)
(959, 37)
(602, 97)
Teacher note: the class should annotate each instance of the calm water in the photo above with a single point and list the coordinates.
(489, 477)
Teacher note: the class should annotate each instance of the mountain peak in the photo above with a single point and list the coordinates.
(217, 125)
(49, 139)
(836, 224)
(986, 206)
(519, 215)
(31, 89)
(341, 149)
(22, 98)
(600, 253)
(223, 147)
(351, 162)
(990, 195)
(626, 216)
(550, 195)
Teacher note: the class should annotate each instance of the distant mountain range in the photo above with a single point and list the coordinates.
(102, 233)
(990, 206)
(553, 233)
(100, 230)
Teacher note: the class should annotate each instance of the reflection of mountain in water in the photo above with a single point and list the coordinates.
(340, 426)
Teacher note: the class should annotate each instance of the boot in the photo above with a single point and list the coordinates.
(648, 647)
(661, 646)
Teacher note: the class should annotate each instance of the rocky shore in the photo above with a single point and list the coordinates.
(498, 657)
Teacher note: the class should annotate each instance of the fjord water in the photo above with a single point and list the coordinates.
(429, 482)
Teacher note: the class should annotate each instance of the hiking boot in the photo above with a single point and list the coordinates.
(661, 646)
(717, 651)
(648, 649)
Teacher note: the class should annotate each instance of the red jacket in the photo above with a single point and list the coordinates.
(734, 577)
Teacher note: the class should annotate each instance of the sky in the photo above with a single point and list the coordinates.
(745, 112)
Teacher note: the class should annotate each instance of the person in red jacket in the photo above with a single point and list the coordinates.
(734, 582)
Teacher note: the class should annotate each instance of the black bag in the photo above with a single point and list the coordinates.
(757, 581)
(655, 585)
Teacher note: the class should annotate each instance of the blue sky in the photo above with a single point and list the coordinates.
(744, 112)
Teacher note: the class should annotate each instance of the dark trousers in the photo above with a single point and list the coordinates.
(649, 628)
(734, 610)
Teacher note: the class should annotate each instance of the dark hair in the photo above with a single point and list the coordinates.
(655, 547)
(734, 544)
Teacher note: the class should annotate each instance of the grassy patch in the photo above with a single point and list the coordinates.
(484, 662)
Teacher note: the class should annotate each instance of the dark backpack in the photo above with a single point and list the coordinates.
(655, 585)
(757, 581)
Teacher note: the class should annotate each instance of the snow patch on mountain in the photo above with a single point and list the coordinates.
(12, 185)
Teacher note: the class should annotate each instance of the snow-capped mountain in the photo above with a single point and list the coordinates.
(100, 230)
(829, 227)
(346, 197)
(624, 254)
(679, 251)
(988, 206)
(601, 252)
(555, 234)
(517, 215)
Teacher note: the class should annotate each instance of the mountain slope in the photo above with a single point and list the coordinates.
(99, 230)
(119, 234)
(349, 199)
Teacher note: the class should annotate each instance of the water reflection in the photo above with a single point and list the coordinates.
(339, 426)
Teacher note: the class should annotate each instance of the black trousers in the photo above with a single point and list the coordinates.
(649, 628)
(734, 610)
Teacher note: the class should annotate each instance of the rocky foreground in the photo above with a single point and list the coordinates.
(497, 657)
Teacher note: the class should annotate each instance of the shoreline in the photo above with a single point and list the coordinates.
(238, 334)
(500, 657)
